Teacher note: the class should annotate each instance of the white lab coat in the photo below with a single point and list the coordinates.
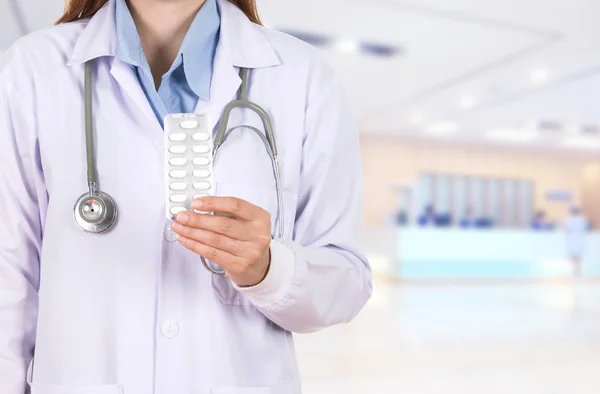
(130, 312)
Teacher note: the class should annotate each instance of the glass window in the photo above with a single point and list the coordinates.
(442, 194)
(476, 196)
(425, 191)
(459, 197)
(509, 203)
(493, 209)
(525, 202)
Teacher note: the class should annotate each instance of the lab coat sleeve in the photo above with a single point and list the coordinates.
(22, 197)
(321, 278)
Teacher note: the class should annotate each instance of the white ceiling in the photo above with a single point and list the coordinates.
(485, 49)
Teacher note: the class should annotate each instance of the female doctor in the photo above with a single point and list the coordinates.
(133, 310)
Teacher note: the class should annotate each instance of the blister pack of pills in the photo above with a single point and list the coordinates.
(188, 161)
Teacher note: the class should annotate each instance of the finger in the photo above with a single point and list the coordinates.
(232, 228)
(222, 258)
(237, 207)
(216, 240)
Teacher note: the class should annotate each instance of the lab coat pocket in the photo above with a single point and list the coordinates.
(261, 197)
(37, 388)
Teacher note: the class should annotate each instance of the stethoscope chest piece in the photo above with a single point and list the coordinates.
(96, 212)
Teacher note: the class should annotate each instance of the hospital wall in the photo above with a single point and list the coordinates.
(388, 160)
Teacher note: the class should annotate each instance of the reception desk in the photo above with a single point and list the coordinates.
(418, 253)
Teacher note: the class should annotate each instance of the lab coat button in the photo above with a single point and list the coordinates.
(170, 234)
(169, 329)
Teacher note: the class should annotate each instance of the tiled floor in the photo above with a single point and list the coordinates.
(467, 339)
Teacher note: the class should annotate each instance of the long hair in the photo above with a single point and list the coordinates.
(80, 9)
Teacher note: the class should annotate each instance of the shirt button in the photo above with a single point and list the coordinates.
(169, 329)
(170, 234)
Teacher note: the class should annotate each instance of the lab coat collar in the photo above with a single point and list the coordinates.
(99, 38)
(243, 42)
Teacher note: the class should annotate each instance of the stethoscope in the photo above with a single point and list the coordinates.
(96, 212)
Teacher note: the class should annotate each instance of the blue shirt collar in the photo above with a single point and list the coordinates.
(196, 53)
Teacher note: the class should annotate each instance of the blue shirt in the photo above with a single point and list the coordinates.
(188, 80)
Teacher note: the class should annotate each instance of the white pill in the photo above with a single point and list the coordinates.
(177, 161)
(189, 124)
(201, 185)
(201, 212)
(178, 149)
(201, 195)
(202, 161)
(177, 137)
(201, 148)
(201, 136)
(177, 173)
(178, 186)
(178, 198)
(176, 210)
(201, 173)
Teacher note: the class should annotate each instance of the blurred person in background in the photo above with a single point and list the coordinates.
(576, 227)
(400, 218)
(428, 218)
(133, 310)
(539, 223)
(468, 220)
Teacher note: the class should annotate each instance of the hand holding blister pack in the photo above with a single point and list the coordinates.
(190, 149)
(188, 161)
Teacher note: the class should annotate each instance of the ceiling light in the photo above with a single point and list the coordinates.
(512, 135)
(351, 47)
(467, 102)
(347, 46)
(380, 50)
(590, 129)
(582, 142)
(539, 75)
(572, 129)
(443, 128)
(315, 39)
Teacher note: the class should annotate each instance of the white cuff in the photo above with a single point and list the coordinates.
(278, 280)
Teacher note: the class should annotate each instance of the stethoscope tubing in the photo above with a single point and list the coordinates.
(106, 215)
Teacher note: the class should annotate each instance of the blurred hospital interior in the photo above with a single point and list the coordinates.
(480, 140)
